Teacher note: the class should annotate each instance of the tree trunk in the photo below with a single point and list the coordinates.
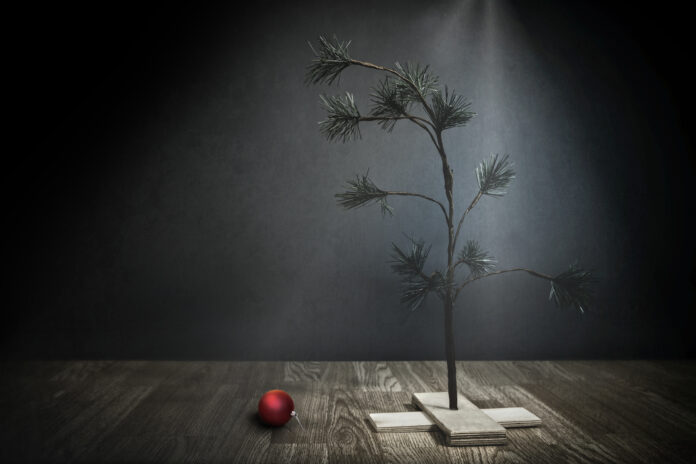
(449, 297)
(449, 349)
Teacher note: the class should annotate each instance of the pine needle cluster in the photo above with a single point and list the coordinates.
(362, 191)
(573, 288)
(494, 175)
(478, 260)
(416, 285)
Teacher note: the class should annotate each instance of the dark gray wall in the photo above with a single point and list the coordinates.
(176, 196)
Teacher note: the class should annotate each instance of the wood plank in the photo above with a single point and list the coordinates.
(513, 418)
(409, 421)
(466, 426)
(418, 421)
(395, 401)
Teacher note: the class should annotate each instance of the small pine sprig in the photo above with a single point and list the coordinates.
(450, 110)
(494, 175)
(362, 191)
(409, 264)
(415, 284)
(573, 287)
(388, 102)
(478, 260)
(421, 77)
(342, 118)
(414, 291)
(330, 60)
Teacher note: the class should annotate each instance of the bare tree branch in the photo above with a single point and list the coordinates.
(502, 271)
(425, 197)
(471, 206)
(415, 119)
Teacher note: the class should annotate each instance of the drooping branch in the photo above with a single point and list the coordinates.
(343, 118)
(425, 197)
(572, 287)
(502, 271)
(385, 119)
(414, 119)
(329, 62)
(362, 191)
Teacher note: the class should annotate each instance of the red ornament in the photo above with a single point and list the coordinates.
(276, 408)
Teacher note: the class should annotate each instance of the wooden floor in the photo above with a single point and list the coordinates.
(142, 411)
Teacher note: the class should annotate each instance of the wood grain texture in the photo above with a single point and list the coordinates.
(171, 411)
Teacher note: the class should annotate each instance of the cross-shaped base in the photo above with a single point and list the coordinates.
(468, 425)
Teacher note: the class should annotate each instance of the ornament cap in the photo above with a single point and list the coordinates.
(294, 414)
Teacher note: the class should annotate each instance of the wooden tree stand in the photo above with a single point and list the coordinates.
(467, 426)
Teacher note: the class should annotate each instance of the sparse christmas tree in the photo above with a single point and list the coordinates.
(412, 93)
